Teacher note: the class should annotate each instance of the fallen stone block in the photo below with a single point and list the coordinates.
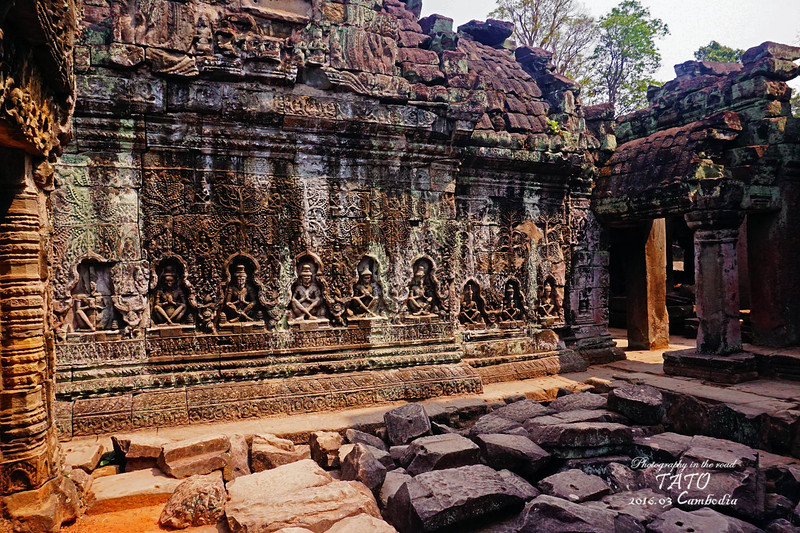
(575, 486)
(516, 453)
(555, 515)
(239, 464)
(579, 415)
(439, 452)
(41, 510)
(268, 451)
(83, 456)
(522, 411)
(325, 448)
(299, 494)
(661, 448)
(391, 484)
(644, 505)
(643, 404)
(406, 423)
(108, 470)
(492, 423)
(141, 488)
(362, 523)
(193, 457)
(581, 400)
(450, 498)
(702, 520)
(582, 439)
(198, 501)
(141, 452)
(361, 465)
(355, 436)
(521, 486)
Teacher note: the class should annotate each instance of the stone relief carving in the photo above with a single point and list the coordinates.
(423, 299)
(512, 309)
(307, 305)
(367, 301)
(170, 297)
(93, 305)
(548, 309)
(472, 310)
(240, 302)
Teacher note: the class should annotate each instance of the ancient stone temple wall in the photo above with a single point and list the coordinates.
(306, 205)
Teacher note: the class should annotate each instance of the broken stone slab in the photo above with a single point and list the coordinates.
(521, 486)
(438, 452)
(777, 506)
(556, 515)
(643, 404)
(729, 454)
(268, 451)
(239, 464)
(450, 498)
(299, 494)
(82, 481)
(781, 525)
(492, 423)
(382, 456)
(196, 456)
(325, 448)
(361, 465)
(394, 479)
(516, 453)
(574, 485)
(141, 452)
(621, 478)
(491, 33)
(362, 523)
(41, 510)
(198, 501)
(786, 481)
(661, 448)
(579, 415)
(355, 436)
(141, 488)
(84, 456)
(522, 410)
(108, 470)
(677, 520)
(406, 423)
(582, 439)
(581, 400)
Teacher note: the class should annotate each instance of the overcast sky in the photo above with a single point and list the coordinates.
(692, 23)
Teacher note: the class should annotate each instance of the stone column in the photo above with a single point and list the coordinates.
(645, 280)
(719, 355)
(34, 494)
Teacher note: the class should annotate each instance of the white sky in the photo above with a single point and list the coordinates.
(692, 23)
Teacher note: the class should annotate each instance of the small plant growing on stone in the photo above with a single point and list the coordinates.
(555, 127)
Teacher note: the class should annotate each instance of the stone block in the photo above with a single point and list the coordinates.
(582, 439)
(556, 515)
(130, 490)
(268, 451)
(325, 448)
(198, 501)
(406, 423)
(514, 452)
(84, 456)
(362, 523)
(643, 404)
(361, 465)
(700, 520)
(438, 452)
(574, 485)
(355, 436)
(581, 400)
(197, 456)
(239, 464)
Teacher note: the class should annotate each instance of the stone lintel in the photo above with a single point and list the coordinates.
(731, 368)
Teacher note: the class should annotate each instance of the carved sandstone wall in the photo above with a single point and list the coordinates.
(283, 206)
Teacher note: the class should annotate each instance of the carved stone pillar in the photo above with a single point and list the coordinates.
(34, 494)
(719, 338)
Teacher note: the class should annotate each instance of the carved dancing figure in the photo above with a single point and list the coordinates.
(419, 300)
(470, 310)
(241, 298)
(169, 304)
(306, 301)
(548, 307)
(365, 298)
(94, 310)
(511, 310)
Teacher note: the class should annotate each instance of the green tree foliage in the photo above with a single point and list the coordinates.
(625, 57)
(714, 51)
(795, 101)
(559, 26)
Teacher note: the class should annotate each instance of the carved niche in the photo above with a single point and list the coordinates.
(423, 301)
(241, 302)
(472, 309)
(549, 306)
(367, 302)
(307, 306)
(92, 298)
(170, 295)
(512, 309)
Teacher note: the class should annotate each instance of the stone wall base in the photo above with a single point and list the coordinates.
(733, 368)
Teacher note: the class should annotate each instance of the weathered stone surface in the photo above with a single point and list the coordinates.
(361, 465)
(355, 436)
(198, 501)
(129, 490)
(522, 411)
(575, 486)
(108, 470)
(663, 447)
(239, 464)
(516, 453)
(195, 457)
(82, 481)
(643, 404)
(522, 487)
(362, 523)
(582, 439)
(325, 448)
(492, 423)
(451, 497)
(406, 423)
(677, 520)
(581, 400)
(491, 33)
(643, 505)
(84, 456)
(555, 515)
(44, 509)
(299, 494)
(579, 415)
(438, 452)
(394, 479)
(780, 526)
(268, 451)
(786, 480)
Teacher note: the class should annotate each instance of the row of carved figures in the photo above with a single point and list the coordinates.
(95, 307)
